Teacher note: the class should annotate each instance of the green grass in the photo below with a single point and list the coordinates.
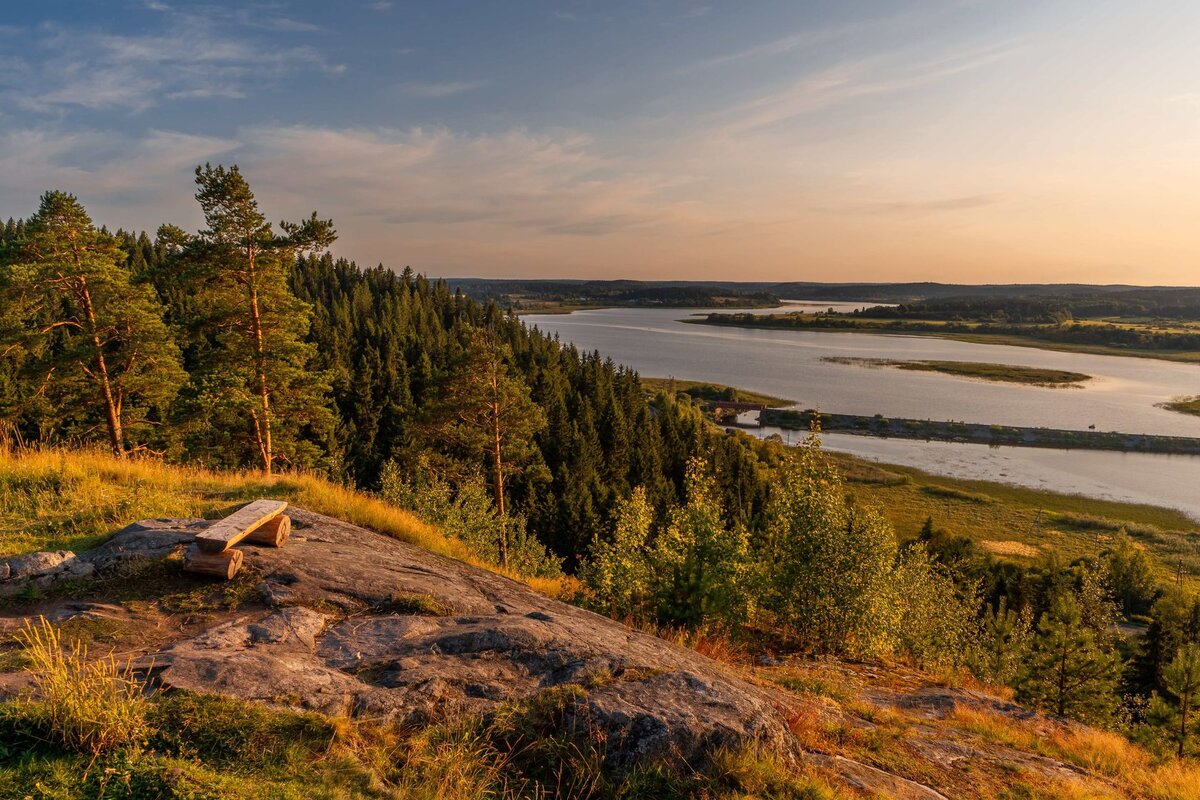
(702, 390)
(1021, 523)
(1184, 405)
(1004, 373)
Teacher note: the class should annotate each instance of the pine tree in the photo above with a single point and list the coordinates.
(1182, 679)
(254, 361)
(90, 341)
(485, 409)
(1005, 638)
(1070, 672)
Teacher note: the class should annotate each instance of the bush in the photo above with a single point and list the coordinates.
(464, 511)
(90, 706)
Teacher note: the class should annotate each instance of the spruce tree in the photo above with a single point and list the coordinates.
(89, 341)
(254, 391)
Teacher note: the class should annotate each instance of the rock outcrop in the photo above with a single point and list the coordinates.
(357, 623)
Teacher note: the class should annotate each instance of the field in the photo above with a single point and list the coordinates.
(1005, 373)
(702, 390)
(1021, 524)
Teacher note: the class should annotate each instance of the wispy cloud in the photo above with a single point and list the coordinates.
(916, 208)
(120, 178)
(446, 89)
(849, 80)
(193, 54)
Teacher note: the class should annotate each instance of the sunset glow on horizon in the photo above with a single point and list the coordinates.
(958, 141)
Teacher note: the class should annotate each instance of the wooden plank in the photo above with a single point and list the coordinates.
(231, 530)
(223, 565)
(272, 533)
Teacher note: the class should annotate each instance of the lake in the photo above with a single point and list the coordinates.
(1121, 396)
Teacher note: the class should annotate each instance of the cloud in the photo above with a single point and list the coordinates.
(122, 182)
(437, 90)
(876, 75)
(192, 54)
(549, 182)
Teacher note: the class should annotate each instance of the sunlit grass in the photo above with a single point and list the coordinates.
(74, 499)
(1098, 752)
(90, 705)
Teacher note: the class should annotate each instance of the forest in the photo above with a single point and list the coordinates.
(248, 346)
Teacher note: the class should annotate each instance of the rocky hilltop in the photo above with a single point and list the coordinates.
(345, 621)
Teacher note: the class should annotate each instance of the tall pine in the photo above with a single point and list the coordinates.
(254, 395)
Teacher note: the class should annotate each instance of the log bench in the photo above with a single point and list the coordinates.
(213, 553)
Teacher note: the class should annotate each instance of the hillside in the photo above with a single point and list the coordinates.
(358, 663)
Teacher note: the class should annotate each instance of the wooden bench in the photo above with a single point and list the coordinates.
(261, 522)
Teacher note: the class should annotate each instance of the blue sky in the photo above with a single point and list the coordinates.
(958, 140)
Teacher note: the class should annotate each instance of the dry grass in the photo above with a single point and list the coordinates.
(74, 499)
(1009, 548)
(91, 705)
(1102, 754)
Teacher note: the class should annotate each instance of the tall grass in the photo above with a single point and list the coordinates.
(74, 499)
(90, 705)
(1098, 752)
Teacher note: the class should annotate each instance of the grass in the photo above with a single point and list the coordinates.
(1021, 523)
(91, 706)
(980, 370)
(1184, 405)
(702, 390)
(1134, 770)
(75, 499)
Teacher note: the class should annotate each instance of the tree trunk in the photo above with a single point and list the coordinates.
(1183, 721)
(116, 434)
(262, 420)
(1062, 684)
(498, 485)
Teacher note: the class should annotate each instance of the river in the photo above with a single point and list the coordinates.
(1122, 395)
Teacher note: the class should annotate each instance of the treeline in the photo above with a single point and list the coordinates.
(1180, 303)
(522, 293)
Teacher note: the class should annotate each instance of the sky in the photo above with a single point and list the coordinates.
(967, 141)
